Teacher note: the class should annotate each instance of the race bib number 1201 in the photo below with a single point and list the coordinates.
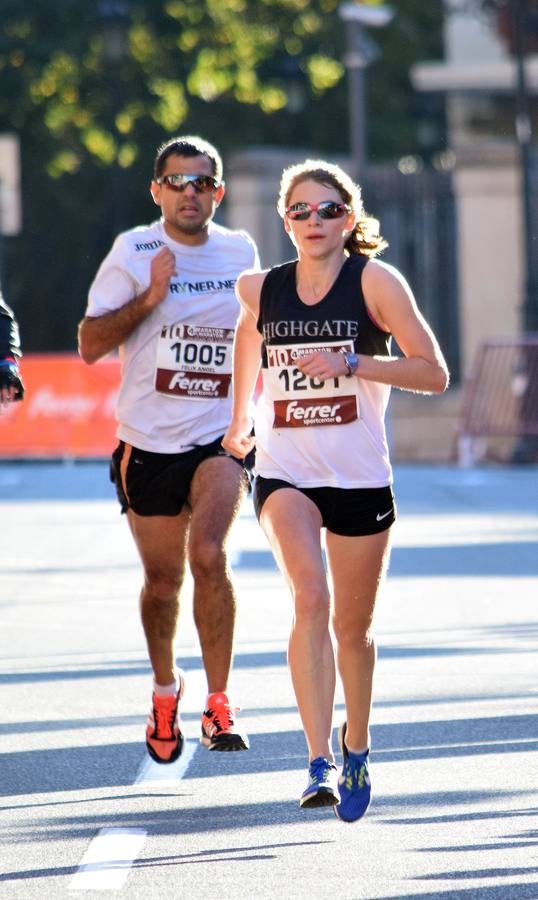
(194, 361)
(302, 402)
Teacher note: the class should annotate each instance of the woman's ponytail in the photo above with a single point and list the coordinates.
(365, 238)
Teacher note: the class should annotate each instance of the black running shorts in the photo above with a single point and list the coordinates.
(352, 512)
(158, 484)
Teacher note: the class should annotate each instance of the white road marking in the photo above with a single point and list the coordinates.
(152, 772)
(107, 862)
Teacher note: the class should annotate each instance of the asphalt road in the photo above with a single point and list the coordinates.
(454, 725)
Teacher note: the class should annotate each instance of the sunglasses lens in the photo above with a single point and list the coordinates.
(204, 183)
(330, 210)
(176, 182)
(299, 211)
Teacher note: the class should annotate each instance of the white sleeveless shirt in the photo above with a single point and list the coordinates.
(176, 366)
(312, 433)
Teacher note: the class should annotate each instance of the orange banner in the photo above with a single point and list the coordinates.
(68, 408)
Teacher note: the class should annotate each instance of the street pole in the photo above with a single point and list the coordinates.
(360, 52)
(526, 447)
(355, 64)
(523, 128)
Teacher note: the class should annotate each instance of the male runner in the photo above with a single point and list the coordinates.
(165, 296)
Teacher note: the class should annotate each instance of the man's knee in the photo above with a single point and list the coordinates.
(162, 587)
(207, 558)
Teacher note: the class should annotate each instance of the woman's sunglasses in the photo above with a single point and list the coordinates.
(202, 184)
(327, 209)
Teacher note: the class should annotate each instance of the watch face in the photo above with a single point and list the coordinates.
(352, 360)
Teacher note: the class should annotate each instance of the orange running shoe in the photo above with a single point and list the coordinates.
(218, 727)
(164, 739)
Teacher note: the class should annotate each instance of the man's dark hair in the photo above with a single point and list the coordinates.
(191, 145)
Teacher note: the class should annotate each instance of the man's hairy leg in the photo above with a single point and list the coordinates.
(217, 490)
(161, 543)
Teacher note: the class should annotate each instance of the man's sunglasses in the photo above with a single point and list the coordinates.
(202, 184)
(327, 209)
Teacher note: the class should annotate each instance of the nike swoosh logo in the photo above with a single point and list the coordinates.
(384, 516)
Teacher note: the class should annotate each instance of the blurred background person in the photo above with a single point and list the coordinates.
(11, 386)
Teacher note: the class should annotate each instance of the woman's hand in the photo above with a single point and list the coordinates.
(322, 365)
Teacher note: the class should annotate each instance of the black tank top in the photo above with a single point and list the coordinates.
(341, 314)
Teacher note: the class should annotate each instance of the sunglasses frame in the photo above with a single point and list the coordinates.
(309, 208)
(211, 182)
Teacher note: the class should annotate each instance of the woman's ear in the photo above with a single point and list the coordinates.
(351, 221)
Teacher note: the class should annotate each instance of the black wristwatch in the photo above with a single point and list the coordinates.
(352, 363)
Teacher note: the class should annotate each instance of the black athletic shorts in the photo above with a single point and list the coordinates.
(347, 511)
(158, 484)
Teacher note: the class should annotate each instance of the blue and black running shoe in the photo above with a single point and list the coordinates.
(321, 789)
(353, 784)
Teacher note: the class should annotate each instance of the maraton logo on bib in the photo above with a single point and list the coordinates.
(303, 413)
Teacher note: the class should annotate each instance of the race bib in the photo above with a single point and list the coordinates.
(299, 401)
(194, 361)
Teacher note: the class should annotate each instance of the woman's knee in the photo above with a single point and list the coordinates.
(353, 631)
(312, 602)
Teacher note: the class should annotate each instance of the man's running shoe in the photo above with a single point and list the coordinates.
(353, 784)
(321, 789)
(219, 731)
(164, 739)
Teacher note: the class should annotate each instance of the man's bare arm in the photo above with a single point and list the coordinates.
(99, 335)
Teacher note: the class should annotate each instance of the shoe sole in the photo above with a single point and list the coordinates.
(324, 797)
(351, 821)
(225, 743)
(176, 753)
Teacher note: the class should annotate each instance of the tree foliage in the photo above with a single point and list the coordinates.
(98, 75)
(93, 88)
(61, 61)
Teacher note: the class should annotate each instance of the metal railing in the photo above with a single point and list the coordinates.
(500, 398)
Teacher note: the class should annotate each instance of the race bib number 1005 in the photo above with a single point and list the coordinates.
(194, 361)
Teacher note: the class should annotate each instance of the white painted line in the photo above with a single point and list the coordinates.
(151, 772)
(107, 862)
(494, 743)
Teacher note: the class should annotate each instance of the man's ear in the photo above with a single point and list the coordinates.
(155, 190)
(219, 194)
